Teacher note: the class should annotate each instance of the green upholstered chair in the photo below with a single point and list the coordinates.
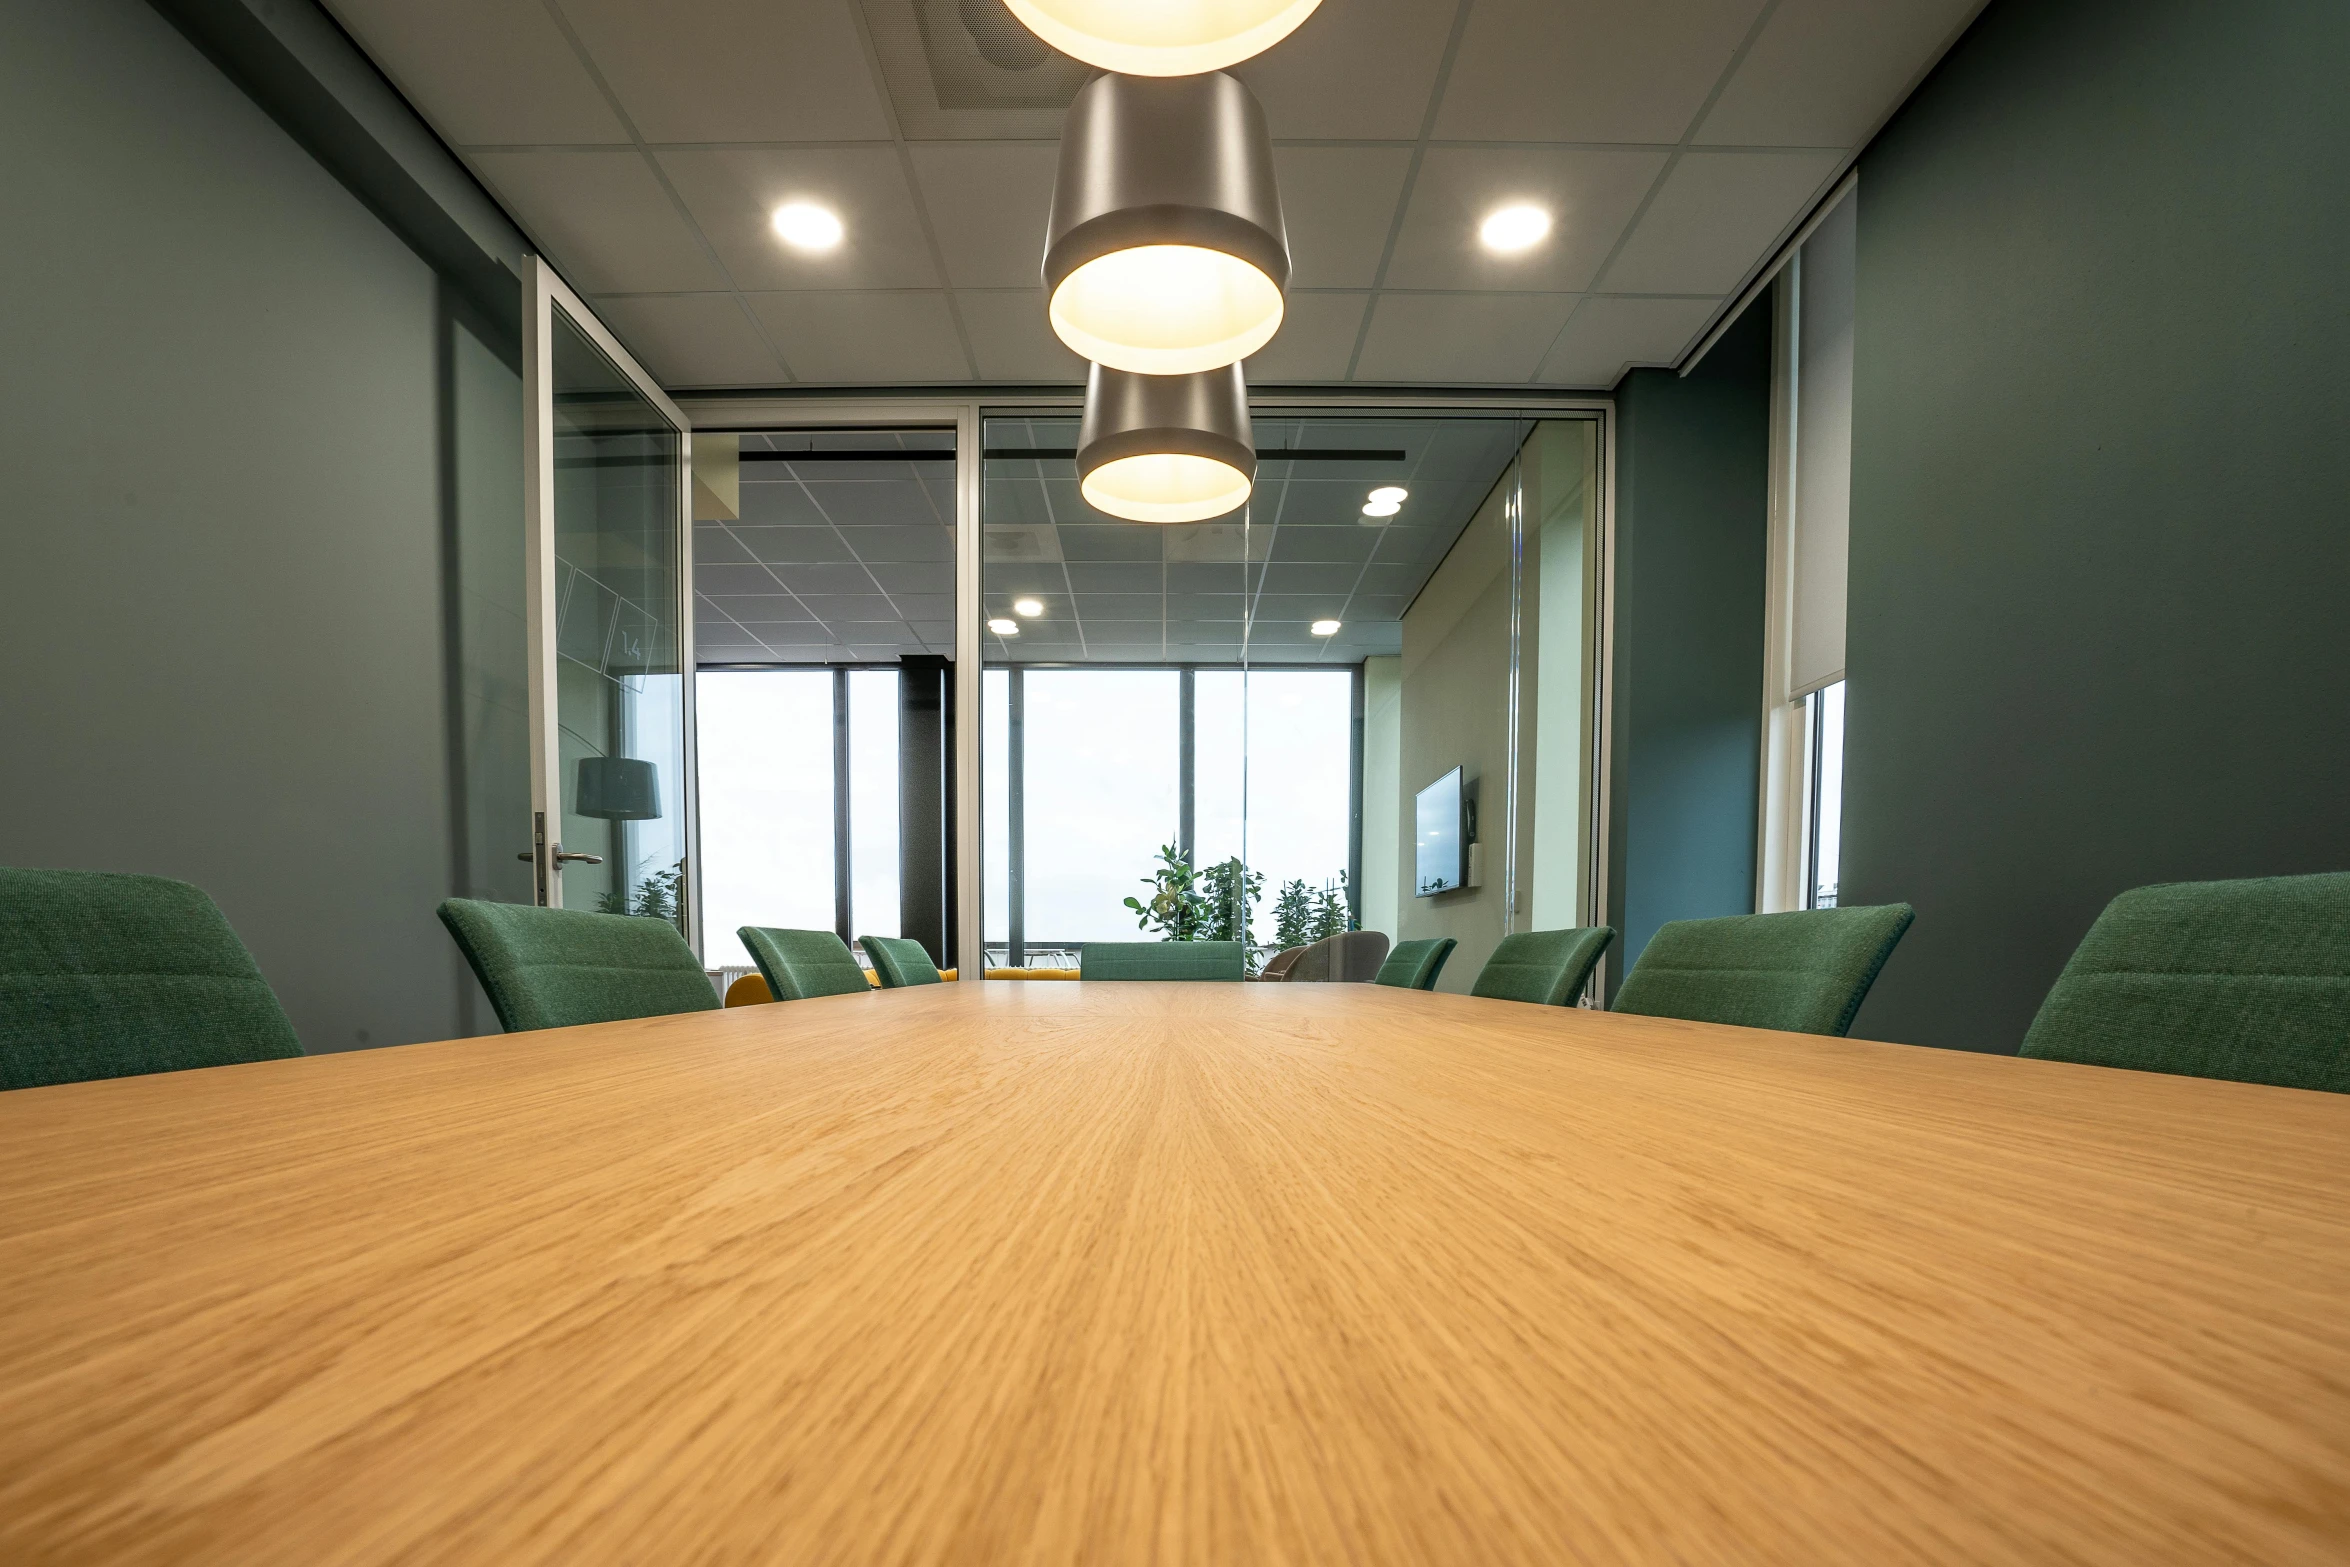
(1162, 960)
(1414, 965)
(2248, 980)
(800, 965)
(1547, 967)
(104, 975)
(1805, 972)
(899, 960)
(553, 968)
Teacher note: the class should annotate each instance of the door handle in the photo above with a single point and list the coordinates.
(562, 854)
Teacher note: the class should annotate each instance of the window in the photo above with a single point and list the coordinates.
(1827, 794)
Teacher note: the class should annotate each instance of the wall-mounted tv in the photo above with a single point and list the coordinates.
(1440, 837)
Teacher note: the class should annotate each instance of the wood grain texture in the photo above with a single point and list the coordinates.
(1172, 1273)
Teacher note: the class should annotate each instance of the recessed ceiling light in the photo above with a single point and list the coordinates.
(1004, 628)
(1514, 228)
(1389, 492)
(1382, 508)
(1027, 607)
(1325, 628)
(806, 226)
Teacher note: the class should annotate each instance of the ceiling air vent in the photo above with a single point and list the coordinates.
(967, 69)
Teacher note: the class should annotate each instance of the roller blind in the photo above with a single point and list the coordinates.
(1823, 451)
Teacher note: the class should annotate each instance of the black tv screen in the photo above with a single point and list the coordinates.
(1440, 838)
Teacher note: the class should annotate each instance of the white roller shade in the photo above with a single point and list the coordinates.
(1821, 518)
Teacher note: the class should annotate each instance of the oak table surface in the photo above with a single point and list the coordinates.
(1172, 1273)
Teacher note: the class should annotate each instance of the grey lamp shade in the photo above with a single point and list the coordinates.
(1166, 448)
(618, 789)
(1166, 252)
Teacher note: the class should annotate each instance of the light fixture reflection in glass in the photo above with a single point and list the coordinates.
(1153, 448)
(1512, 229)
(1325, 628)
(1388, 492)
(1003, 627)
(1382, 508)
(1028, 607)
(1162, 39)
(805, 226)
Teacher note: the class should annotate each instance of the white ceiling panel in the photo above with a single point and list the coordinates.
(988, 203)
(1605, 336)
(1011, 341)
(1824, 73)
(1316, 339)
(1589, 195)
(1358, 69)
(1717, 215)
(484, 71)
(603, 218)
(733, 195)
(693, 339)
(1486, 339)
(1589, 70)
(1339, 203)
(734, 70)
(848, 339)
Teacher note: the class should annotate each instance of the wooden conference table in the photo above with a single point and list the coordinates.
(1172, 1273)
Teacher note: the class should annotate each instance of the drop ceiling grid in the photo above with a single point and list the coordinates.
(551, 100)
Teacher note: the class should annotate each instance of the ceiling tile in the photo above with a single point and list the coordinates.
(1012, 340)
(816, 584)
(693, 339)
(1358, 69)
(1338, 203)
(1590, 196)
(795, 545)
(1715, 219)
(735, 70)
(1490, 339)
(1117, 577)
(604, 218)
(1316, 340)
(733, 196)
(988, 204)
(484, 71)
(1589, 70)
(1605, 336)
(848, 339)
(1825, 73)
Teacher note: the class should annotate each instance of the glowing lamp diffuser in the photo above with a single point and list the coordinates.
(1174, 448)
(1164, 38)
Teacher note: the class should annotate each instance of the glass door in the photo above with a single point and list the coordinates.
(613, 789)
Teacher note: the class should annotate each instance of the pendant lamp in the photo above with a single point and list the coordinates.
(1166, 252)
(1168, 38)
(1166, 448)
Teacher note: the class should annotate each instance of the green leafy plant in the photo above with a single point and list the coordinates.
(1177, 909)
(1232, 892)
(659, 897)
(1293, 915)
(1332, 917)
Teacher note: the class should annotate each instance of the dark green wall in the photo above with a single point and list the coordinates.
(1692, 503)
(2100, 591)
(260, 541)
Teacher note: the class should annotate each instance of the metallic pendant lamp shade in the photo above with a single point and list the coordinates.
(1165, 38)
(1166, 448)
(1166, 252)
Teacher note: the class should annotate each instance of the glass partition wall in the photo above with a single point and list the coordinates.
(1215, 729)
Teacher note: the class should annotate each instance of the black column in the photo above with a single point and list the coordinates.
(924, 910)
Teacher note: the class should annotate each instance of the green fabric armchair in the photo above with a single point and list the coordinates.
(899, 960)
(1804, 972)
(800, 965)
(1546, 967)
(2246, 980)
(1162, 960)
(554, 968)
(1414, 965)
(104, 975)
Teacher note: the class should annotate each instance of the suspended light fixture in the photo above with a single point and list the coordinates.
(1166, 254)
(1166, 448)
(1170, 38)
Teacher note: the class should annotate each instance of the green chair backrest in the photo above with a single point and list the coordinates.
(2248, 980)
(1414, 965)
(104, 975)
(899, 960)
(801, 965)
(1547, 967)
(553, 968)
(1804, 972)
(1161, 960)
